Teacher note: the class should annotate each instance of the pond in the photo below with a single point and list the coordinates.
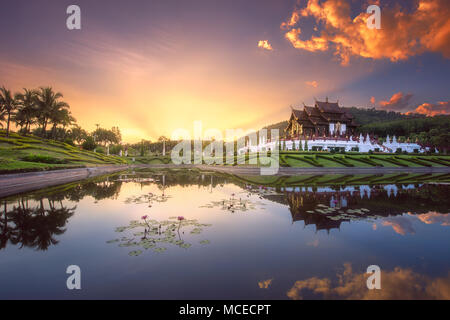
(188, 234)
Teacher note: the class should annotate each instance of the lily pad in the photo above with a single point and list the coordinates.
(135, 253)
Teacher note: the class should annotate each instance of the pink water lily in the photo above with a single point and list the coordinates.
(180, 218)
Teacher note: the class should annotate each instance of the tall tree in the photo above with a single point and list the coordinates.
(78, 134)
(8, 105)
(60, 115)
(49, 106)
(27, 109)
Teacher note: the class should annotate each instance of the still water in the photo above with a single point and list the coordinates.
(185, 234)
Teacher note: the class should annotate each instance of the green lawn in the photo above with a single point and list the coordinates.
(329, 160)
(315, 159)
(29, 153)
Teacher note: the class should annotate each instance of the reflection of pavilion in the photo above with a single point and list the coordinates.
(302, 203)
(328, 207)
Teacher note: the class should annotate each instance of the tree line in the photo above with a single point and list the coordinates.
(43, 113)
(429, 131)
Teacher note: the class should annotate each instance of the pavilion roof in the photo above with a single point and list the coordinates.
(329, 107)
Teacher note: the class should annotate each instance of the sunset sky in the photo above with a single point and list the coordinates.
(152, 66)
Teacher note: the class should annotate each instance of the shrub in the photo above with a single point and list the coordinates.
(44, 159)
(115, 149)
(89, 144)
(69, 141)
(101, 150)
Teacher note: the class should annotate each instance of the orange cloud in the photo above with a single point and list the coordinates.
(313, 83)
(396, 284)
(398, 102)
(264, 284)
(404, 33)
(291, 22)
(429, 109)
(372, 100)
(264, 44)
(314, 44)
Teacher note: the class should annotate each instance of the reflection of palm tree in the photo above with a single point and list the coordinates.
(50, 224)
(6, 230)
(23, 231)
(34, 227)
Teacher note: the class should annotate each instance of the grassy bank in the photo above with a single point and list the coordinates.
(30, 153)
(357, 160)
(328, 160)
(321, 159)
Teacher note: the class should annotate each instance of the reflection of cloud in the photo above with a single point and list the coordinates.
(401, 225)
(314, 243)
(313, 83)
(264, 44)
(264, 284)
(404, 33)
(429, 109)
(398, 102)
(435, 217)
(397, 284)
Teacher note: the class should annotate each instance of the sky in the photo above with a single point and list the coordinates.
(154, 66)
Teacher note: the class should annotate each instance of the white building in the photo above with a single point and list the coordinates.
(327, 144)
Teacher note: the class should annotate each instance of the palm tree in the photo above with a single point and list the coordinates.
(7, 106)
(60, 115)
(2, 116)
(27, 112)
(49, 106)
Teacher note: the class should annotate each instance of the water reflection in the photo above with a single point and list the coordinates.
(266, 248)
(33, 224)
(328, 207)
(399, 283)
(322, 201)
